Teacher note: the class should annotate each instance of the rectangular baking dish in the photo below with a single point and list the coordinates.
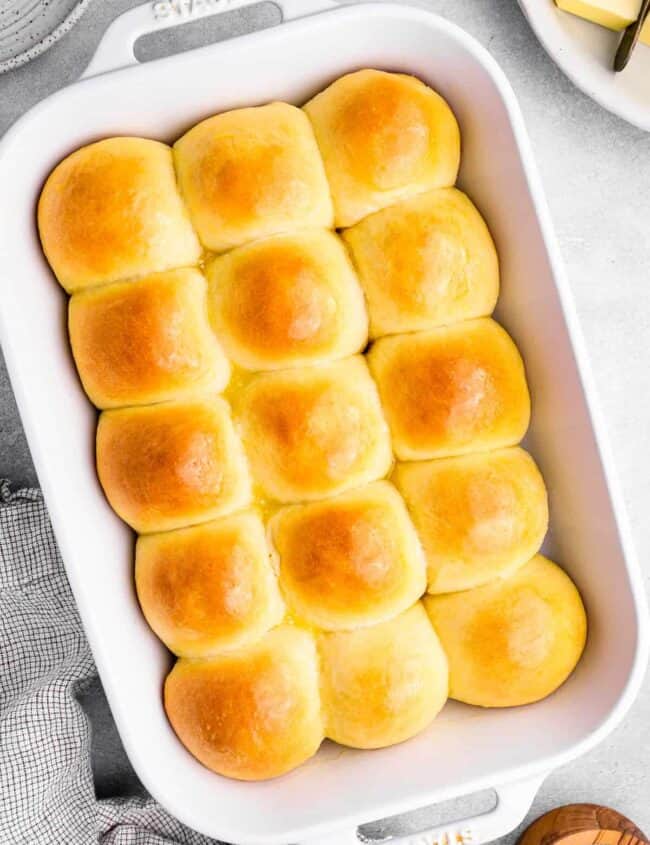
(466, 749)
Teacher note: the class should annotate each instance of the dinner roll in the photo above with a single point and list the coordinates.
(478, 516)
(312, 432)
(135, 344)
(111, 211)
(208, 588)
(251, 714)
(349, 561)
(452, 390)
(383, 137)
(170, 465)
(512, 641)
(383, 684)
(287, 300)
(252, 172)
(425, 262)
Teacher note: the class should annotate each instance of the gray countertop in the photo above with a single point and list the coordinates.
(596, 172)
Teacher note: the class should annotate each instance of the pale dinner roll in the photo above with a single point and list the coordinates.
(512, 641)
(252, 714)
(287, 301)
(252, 172)
(425, 262)
(208, 588)
(383, 137)
(383, 684)
(170, 465)
(135, 344)
(452, 390)
(350, 561)
(478, 516)
(111, 211)
(312, 432)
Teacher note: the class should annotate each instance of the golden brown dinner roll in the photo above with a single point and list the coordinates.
(135, 344)
(349, 561)
(111, 211)
(287, 301)
(383, 137)
(514, 640)
(251, 714)
(478, 516)
(208, 588)
(425, 262)
(452, 390)
(382, 684)
(314, 431)
(252, 172)
(169, 465)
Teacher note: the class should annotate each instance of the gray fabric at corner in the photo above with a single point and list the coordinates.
(47, 796)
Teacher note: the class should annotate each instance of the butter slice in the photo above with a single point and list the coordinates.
(613, 14)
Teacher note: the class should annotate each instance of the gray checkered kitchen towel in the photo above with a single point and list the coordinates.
(47, 795)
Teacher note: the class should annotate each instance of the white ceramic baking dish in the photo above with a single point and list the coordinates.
(466, 749)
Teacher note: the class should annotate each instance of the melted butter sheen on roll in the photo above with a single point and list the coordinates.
(282, 555)
(425, 262)
(479, 516)
(513, 641)
(135, 344)
(349, 561)
(382, 684)
(287, 301)
(209, 588)
(452, 390)
(170, 465)
(313, 432)
(253, 714)
(383, 137)
(111, 211)
(252, 172)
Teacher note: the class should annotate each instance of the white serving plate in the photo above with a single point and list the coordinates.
(466, 749)
(30, 27)
(585, 52)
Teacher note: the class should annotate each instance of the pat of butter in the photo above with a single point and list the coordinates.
(613, 14)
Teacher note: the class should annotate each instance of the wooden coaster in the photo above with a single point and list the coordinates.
(583, 824)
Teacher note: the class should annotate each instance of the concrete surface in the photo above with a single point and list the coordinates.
(596, 171)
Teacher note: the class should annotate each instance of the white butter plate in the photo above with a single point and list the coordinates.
(585, 52)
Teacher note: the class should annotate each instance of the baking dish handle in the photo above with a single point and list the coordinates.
(115, 50)
(513, 802)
